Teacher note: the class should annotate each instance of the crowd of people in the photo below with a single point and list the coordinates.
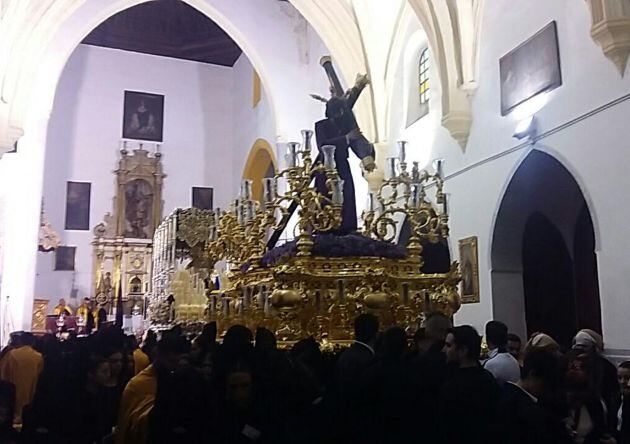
(440, 386)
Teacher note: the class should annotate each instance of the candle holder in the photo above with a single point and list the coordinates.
(405, 194)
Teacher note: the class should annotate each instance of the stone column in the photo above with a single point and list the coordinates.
(21, 180)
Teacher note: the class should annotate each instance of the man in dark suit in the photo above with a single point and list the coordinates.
(521, 419)
(350, 368)
(468, 401)
(623, 414)
(431, 372)
(359, 355)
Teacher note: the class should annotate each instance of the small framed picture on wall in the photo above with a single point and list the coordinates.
(64, 258)
(202, 198)
(469, 264)
(143, 117)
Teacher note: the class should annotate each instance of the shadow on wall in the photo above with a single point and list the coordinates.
(544, 266)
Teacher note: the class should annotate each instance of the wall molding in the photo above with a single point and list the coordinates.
(540, 137)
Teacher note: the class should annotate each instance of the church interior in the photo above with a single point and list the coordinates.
(286, 221)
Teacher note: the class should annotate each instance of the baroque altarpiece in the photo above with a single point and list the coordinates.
(123, 242)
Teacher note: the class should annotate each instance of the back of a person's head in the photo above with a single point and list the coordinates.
(514, 337)
(543, 364)
(307, 351)
(28, 338)
(210, 330)
(625, 365)
(265, 339)
(131, 343)
(394, 342)
(172, 344)
(436, 327)
(237, 335)
(420, 334)
(16, 338)
(467, 336)
(365, 327)
(497, 333)
(541, 341)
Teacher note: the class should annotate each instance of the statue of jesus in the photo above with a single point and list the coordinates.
(340, 128)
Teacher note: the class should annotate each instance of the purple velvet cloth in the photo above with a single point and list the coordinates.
(333, 245)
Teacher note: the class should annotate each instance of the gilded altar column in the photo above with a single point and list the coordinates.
(99, 254)
(120, 196)
(157, 192)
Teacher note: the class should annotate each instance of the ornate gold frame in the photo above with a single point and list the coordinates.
(139, 165)
(470, 296)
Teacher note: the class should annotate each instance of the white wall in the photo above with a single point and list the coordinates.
(595, 150)
(250, 123)
(85, 129)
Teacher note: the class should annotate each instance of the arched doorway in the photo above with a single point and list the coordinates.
(261, 163)
(548, 280)
(544, 265)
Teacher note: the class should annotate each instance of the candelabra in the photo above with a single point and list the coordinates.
(239, 235)
(405, 194)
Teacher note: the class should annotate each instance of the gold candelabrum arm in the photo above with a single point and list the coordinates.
(405, 194)
(239, 235)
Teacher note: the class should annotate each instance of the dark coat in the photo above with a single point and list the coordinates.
(623, 436)
(521, 420)
(350, 366)
(468, 407)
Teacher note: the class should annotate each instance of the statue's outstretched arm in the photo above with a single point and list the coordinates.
(359, 85)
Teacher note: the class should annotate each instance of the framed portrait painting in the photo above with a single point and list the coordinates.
(202, 198)
(530, 69)
(143, 117)
(78, 205)
(469, 263)
(64, 258)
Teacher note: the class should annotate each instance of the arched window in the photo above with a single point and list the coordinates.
(423, 77)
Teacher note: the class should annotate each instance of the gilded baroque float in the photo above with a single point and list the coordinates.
(316, 284)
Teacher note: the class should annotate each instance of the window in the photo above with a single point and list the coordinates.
(423, 77)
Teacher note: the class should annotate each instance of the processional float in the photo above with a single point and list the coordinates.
(316, 284)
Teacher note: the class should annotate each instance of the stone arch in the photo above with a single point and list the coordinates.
(541, 185)
(261, 162)
(43, 35)
(38, 41)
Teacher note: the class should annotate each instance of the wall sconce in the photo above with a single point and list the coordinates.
(527, 129)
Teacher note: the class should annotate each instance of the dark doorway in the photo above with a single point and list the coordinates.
(544, 265)
(548, 281)
(586, 279)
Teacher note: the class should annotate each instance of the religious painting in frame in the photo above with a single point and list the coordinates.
(143, 117)
(78, 205)
(530, 69)
(469, 263)
(202, 198)
(139, 209)
(64, 258)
